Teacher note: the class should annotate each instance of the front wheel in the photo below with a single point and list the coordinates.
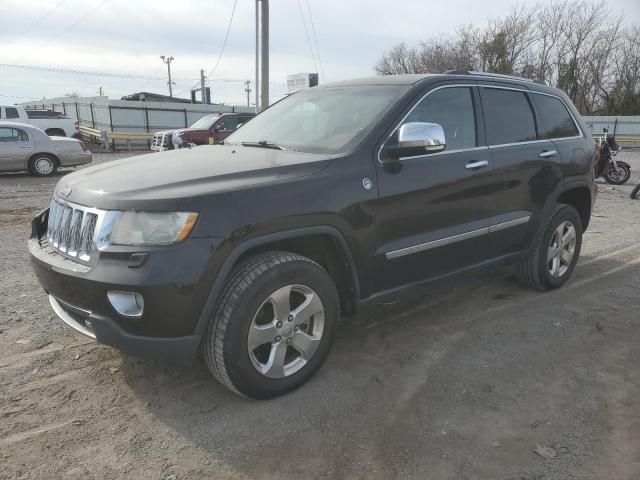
(555, 250)
(618, 176)
(274, 325)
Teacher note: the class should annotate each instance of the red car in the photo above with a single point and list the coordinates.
(208, 130)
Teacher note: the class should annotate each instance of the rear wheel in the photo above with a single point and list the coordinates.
(43, 165)
(619, 176)
(274, 325)
(555, 250)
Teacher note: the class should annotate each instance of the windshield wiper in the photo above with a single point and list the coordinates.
(263, 144)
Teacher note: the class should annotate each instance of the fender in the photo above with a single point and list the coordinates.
(562, 187)
(231, 259)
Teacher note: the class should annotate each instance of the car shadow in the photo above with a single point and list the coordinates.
(402, 365)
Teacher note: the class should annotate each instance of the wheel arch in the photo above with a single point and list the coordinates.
(324, 244)
(579, 196)
(56, 131)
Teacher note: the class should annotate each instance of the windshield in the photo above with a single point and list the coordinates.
(326, 120)
(205, 123)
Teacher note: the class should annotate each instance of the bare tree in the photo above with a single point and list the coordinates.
(578, 46)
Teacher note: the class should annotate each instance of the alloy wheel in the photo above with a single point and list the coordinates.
(561, 249)
(286, 331)
(44, 166)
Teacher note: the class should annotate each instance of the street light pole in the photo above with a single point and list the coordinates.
(264, 86)
(168, 62)
(257, 56)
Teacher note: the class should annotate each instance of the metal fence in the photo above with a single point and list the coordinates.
(626, 129)
(136, 117)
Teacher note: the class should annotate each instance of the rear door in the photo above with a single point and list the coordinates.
(15, 149)
(432, 208)
(526, 168)
(556, 124)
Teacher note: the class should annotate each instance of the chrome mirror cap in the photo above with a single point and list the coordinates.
(421, 135)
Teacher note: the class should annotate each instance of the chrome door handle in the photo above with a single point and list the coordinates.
(27, 147)
(476, 164)
(547, 154)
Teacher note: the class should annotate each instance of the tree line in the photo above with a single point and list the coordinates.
(582, 47)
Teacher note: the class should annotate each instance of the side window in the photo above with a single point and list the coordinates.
(555, 120)
(23, 136)
(452, 108)
(508, 116)
(9, 135)
(11, 112)
(229, 123)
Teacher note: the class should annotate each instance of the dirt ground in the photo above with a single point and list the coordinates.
(465, 382)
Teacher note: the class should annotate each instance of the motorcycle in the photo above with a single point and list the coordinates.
(613, 171)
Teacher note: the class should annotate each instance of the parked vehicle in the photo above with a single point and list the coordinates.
(337, 196)
(614, 171)
(54, 126)
(25, 147)
(208, 130)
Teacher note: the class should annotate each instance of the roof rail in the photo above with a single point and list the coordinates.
(492, 75)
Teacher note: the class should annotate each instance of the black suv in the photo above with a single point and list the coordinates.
(333, 197)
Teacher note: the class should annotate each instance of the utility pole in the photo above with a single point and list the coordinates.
(100, 92)
(247, 88)
(204, 95)
(257, 56)
(264, 34)
(170, 83)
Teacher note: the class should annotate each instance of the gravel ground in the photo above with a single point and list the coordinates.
(465, 382)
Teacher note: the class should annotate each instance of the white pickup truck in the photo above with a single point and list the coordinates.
(54, 126)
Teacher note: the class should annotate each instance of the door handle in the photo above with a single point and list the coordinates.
(547, 154)
(26, 147)
(476, 164)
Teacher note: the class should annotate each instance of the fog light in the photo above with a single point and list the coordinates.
(127, 304)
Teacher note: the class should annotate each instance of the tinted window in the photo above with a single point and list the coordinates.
(228, 123)
(508, 116)
(555, 121)
(11, 112)
(10, 135)
(452, 108)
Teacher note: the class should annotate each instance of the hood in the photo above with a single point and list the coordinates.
(193, 130)
(161, 181)
(165, 132)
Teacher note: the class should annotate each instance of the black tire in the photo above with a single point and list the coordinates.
(621, 178)
(39, 160)
(635, 193)
(533, 271)
(225, 345)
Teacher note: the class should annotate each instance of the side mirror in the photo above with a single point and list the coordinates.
(415, 138)
(218, 127)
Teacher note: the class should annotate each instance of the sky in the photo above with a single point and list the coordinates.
(127, 37)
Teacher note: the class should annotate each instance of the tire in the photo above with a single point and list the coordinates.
(537, 270)
(635, 193)
(43, 165)
(238, 343)
(623, 175)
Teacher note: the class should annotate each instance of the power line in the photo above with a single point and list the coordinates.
(37, 22)
(306, 32)
(84, 72)
(70, 26)
(226, 37)
(315, 37)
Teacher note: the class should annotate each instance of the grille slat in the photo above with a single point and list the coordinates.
(71, 230)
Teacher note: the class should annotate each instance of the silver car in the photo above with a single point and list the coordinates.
(25, 147)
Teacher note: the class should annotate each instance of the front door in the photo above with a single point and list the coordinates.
(433, 208)
(15, 149)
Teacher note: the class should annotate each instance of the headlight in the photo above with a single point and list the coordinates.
(152, 228)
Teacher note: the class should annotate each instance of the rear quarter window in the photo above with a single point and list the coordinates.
(11, 112)
(554, 121)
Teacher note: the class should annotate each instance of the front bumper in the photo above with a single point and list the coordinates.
(173, 282)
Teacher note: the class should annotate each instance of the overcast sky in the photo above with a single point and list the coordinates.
(128, 36)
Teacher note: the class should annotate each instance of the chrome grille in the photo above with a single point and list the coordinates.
(161, 141)
(72, 229)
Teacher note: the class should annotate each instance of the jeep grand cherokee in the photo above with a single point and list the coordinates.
(338, 195)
